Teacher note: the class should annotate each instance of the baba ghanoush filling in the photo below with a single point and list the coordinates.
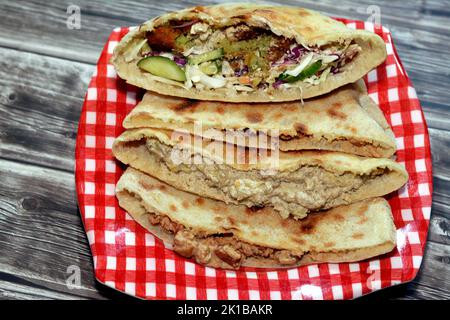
(307, 188)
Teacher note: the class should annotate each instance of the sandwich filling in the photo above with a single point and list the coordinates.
(221, 250)
(308, 188)
(192, 53)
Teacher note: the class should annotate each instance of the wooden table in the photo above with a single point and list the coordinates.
(44, 73)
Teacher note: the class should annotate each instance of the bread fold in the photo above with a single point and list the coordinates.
(346, 120)
(294, 183)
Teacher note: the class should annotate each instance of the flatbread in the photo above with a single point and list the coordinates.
(307, 27)
(344, 234)
(346, 120)
(294, 182)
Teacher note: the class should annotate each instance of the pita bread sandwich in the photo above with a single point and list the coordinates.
(229, 236)
(346, 120)
(294, 182)
(246, 53)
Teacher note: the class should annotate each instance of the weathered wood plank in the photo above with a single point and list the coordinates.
(24, 290)
(433, 280)
(440, 145)
(38, 117)
(439, 230)
(41, 234)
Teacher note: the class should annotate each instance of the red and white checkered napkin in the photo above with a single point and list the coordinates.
(130, 259)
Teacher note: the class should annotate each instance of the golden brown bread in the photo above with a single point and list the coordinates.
(346, 120)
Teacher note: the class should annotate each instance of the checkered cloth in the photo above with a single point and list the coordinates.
(130, 259)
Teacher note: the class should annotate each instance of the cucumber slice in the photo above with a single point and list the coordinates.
(162, 67)
(210, 67)
(306, 73)
(207, 56)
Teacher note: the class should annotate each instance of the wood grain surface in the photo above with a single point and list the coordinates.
(45, 68)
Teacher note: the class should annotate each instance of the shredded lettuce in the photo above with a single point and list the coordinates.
(304, 62)
(195, 75)
(133, 51)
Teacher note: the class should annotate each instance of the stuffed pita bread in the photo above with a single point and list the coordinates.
(246, 53)
(228, 236)
(346, 120)
(294, 183)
